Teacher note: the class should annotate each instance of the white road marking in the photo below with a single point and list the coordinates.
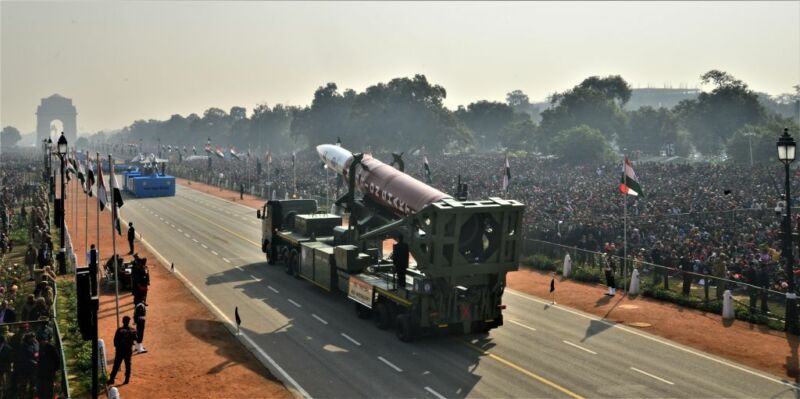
(646, 336)
(240, 268)
(388, 363)
(180, 231)
(204, 246)
(226, 260)
(579, 347)
(295, 303)
(273, 289)
(231, 327)
(320, 319)
(652, 376)
(434, 393)
(187, 235)
(195, 240)
(173, 226)
(351, 339)
(214, 252)
(521, 325)
(255, 278)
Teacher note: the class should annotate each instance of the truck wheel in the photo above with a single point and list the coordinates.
(382, 320)
(362, 311)
(404, 330)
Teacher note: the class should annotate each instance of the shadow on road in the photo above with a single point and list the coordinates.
(457, 364)
(214, 333)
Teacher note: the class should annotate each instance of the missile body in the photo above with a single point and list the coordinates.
(401, 193)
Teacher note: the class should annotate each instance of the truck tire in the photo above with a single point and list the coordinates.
(404, 330)
(382, 316)
(362, 311)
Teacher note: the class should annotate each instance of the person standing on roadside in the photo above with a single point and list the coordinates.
(131, 237)
(49, 364)
(139, 313)
(30, 260)
(123, 343)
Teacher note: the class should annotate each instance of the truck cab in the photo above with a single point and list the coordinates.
(277, 216)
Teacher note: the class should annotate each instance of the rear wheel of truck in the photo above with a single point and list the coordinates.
(404, 331)
(382, 317)
(362, 311)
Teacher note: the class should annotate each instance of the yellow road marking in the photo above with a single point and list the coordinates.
(523, 370)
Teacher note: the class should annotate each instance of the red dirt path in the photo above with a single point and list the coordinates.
(191, 353)
(746, 343)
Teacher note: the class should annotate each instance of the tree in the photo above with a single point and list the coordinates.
(404, 113)
(270, 127)
(9, 137)
(612, 86)
(487, 120)
(82, 143)
(762, 138)
(519, 135)
(650, 130)
(580, 145)
(713, 117)
(521, 104)
(328, 116)
(592, 104)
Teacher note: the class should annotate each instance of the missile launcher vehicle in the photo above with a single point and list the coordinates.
(460, 251)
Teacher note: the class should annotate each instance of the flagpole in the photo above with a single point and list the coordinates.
(86, 207)
(113, 237)
(625, 245)
(97, 216)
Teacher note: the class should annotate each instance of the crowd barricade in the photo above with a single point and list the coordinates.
(704, 287)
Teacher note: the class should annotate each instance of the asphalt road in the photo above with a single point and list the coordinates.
(314, 341)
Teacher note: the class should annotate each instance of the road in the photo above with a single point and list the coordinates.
(314, 341)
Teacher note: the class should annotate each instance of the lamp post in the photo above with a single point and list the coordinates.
(786, 153)
(62, 252)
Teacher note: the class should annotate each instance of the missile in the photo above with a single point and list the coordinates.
(387, 186)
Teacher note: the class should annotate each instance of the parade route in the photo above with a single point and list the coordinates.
(317, 340)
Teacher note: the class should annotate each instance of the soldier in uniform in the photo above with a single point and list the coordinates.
(400, 260)
(123, 343)
(139, 313)
(140, 276)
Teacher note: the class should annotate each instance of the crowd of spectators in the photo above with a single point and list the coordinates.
(719, 217)
(28, 358)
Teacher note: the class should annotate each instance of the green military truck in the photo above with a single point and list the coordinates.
(460, 254)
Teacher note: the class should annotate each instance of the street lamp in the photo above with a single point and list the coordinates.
(62, 252)
(786, 153)
(50, 169)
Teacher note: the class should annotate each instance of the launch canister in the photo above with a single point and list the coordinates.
(383, 183)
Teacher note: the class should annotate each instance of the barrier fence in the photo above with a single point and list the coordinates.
(672, 281)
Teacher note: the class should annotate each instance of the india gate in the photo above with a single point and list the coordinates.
(54, 108)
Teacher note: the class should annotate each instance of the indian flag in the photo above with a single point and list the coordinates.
(628, 184)
(506, 174)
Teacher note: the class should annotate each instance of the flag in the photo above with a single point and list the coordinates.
(427, 168)
(82, 176)
(208, 146)
(89, 178)
(70, 167)
(628, 184)
(102, 196)
(506, 175)
(338, 141)
(116, 197)
(194, 150)
(219, 152)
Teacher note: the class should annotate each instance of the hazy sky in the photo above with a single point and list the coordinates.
(139, 60)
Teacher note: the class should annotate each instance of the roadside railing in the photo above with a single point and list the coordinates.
(663, 280)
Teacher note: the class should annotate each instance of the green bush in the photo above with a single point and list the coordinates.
(77, 351)
(713, 306)
(541, 262)
(587, 274)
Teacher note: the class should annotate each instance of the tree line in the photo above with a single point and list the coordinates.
(586, 123)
